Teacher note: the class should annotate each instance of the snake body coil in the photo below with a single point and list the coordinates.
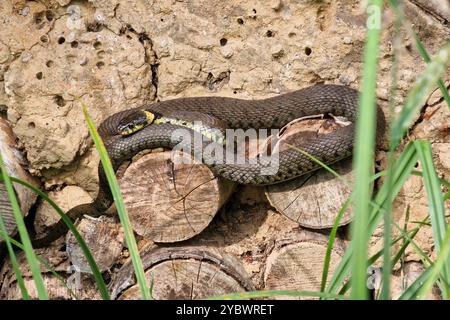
(267, 113)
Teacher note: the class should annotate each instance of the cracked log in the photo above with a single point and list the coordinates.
(183, 273)
(16, 167)
(169, 202)
(312, 200)
(296, 263)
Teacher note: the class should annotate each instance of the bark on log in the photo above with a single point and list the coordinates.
(169, 202)
(436, 8)
(313, 200)
(297, 263)
(183, 273)
(16, 167)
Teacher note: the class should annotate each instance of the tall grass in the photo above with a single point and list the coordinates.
(370, 208)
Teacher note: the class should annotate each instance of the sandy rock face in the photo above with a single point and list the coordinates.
(107, 70)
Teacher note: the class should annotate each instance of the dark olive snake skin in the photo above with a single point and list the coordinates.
(267, 113)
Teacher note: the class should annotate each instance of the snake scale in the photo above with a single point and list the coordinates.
(274, 112)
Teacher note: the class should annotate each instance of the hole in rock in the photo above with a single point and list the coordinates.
(97, 45)
(60, 102)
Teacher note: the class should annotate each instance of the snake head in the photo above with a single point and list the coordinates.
(136, 121)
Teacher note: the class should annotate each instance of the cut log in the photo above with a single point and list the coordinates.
(15, 165)
(82, 286)
(436, 8)
(297, 263)
(169, 202)
(183, 273)
(105, 240)
(313, 200)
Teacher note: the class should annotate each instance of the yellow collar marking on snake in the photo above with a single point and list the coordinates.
(145, 118)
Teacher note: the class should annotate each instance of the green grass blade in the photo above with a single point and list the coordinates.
(87, 253)
(23, 233)
(121, 210)
(276, 293)
(417, 96)
(332, 237)
(435, 203)
(412, 292)
(409, 240)
(424, 54)
(13, 259)
(387, 217)
(364, 151)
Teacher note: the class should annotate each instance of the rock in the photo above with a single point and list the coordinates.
(226, 52)
(101, 67)
(348, 40)
(25, 11)
(276, 4)
(277, 51)
(443, 153)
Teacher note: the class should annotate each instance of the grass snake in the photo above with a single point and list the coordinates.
(274, 112)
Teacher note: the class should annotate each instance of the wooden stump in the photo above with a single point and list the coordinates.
(105, 239)
(297, 263)
(313, 200)
(15, 165)
(183, 273)
(169, 202)
(82, 286)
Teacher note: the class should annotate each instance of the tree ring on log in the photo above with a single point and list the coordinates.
(297, 263)
(183, 273)
(313, 200)
(169, 201)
